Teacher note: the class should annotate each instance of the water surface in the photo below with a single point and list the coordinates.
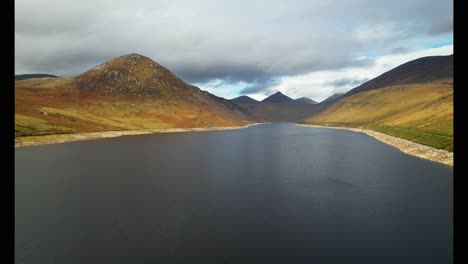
(268, 193)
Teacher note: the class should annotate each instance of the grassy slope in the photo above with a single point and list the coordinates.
(48, 106)
(422, 113)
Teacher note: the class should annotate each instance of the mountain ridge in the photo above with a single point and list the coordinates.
(333, 98)
(305, 100)
(244, 99)
(420, 70)
(279, 107)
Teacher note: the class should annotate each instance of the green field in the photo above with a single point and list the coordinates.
(429, 139)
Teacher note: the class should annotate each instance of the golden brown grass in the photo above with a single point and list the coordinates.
(53, 107)
(421, 112)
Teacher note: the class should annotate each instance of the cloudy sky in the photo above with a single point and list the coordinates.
(301, 48)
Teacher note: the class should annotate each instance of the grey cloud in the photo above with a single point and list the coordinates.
(219, 40)
(234, 71)
(348, 81)
(399, 50)
(442, 28)
(264, 86)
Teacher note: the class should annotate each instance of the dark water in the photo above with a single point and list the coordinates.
(269, 193)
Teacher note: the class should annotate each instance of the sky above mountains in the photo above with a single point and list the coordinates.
(302, 48)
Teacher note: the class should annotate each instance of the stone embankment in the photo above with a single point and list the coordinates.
(62, 138)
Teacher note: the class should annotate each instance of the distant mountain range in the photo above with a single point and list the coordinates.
(34, 75)
(279, 107)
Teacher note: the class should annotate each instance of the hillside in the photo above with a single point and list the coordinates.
(130, 92)
(422, 70)
(413, 101)
(333, 98)
(422, 113)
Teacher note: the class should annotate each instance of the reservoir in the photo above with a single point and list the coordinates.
(264, 194)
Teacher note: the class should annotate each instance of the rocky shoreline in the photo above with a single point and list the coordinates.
(62, 138)
(406, 146)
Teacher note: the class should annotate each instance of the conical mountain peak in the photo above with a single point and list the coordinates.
(131, 73)
(277, 97)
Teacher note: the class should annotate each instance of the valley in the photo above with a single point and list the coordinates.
(132, 94)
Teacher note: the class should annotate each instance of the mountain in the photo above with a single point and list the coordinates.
(130, 92)
(244, 99)
(305, 100)
(34, 75)
(277, 97)
(413, 101)
(422, 70)
(131, 74)
(333, 98)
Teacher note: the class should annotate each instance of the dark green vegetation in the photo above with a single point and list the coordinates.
(439, 141)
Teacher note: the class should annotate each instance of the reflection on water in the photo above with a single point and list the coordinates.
(267, 193)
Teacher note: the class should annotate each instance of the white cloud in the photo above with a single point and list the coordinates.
(220, 88)
(377, 32)
(317, 85)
